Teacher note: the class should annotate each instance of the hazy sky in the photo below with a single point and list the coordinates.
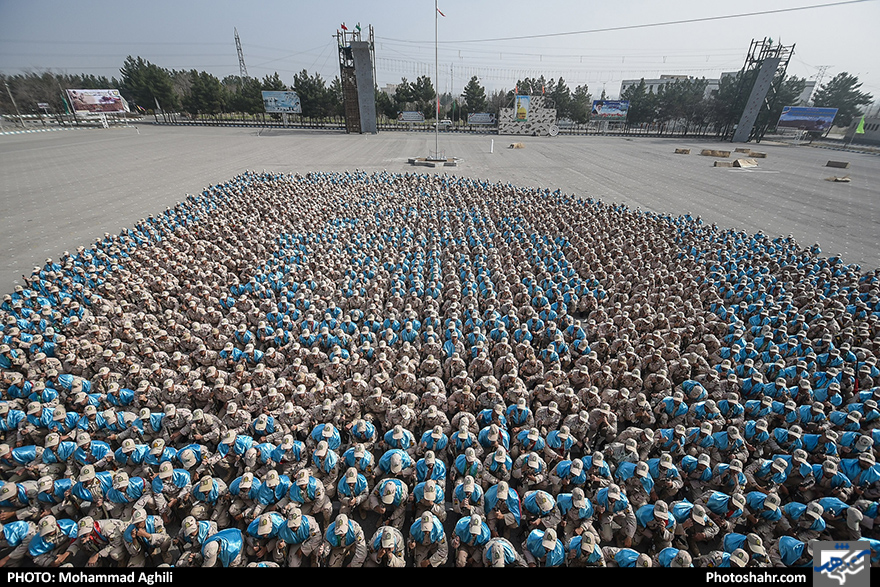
(84, 36)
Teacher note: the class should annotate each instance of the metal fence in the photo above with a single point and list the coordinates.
(670, 130)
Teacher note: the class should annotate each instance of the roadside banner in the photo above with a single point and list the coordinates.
(522, 108)
(803, 118)
(411, 117)
(609, 109)
(481, 118)
(107, 101)
(281, 102)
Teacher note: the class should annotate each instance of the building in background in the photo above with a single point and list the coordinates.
(654, 85)
(871, 136)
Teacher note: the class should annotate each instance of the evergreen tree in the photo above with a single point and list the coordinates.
(144, 83)
(404, 94)
(789, 91)
(475, 96)
(723, 110)
(498, 100)
(385, 105)
(581, 104)
(273, 83)
(642, 104)
(250, 96)
(334, 98)
(205, 94)
(315, 97)
(842, 92)
(424, 95)
(561, 95)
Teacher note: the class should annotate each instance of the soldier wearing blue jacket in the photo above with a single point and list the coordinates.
(121, 496)
(308, 493)
(15, 537)
(543, 549)
(224, 549)
(654, 525)
(427, 541)
(191, 538)
(471, 535)
(49, 547)
(344, 538)
(169, 488)
(299, 538)
(353, 492)
(625, 557)
(389, 499)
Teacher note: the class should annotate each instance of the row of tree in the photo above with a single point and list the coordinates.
(146, 85)
(201, 93)
(687, 101)
(419, 96)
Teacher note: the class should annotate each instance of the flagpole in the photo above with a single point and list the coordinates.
(436, 80)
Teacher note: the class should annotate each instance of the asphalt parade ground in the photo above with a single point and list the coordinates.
(60, 190)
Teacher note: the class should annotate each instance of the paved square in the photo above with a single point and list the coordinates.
(59, 190)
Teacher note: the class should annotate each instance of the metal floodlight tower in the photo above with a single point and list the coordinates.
(242, 68)
(761, 78)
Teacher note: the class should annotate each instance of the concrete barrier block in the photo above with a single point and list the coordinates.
(757, 155)
(745, 163)
(714, 153)
(724, 164)
(682, 151)
(517, 146)
(840, 164)
(838, 179)
(742, 150)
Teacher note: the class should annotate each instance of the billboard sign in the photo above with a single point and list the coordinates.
(609, 109)
(481, 118)
(97, 101)
(521, 112)
(411, 117)
(281, 103)
(813, 119)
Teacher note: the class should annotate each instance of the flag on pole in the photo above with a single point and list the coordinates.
(358, 27)
(441, 14)
(860, 130)
(345, 28)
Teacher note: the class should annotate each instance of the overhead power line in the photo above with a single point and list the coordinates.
(644, 26)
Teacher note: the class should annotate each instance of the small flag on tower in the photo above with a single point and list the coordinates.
(345, 28)
(358, 27)
(441, 14)
(860, 129)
